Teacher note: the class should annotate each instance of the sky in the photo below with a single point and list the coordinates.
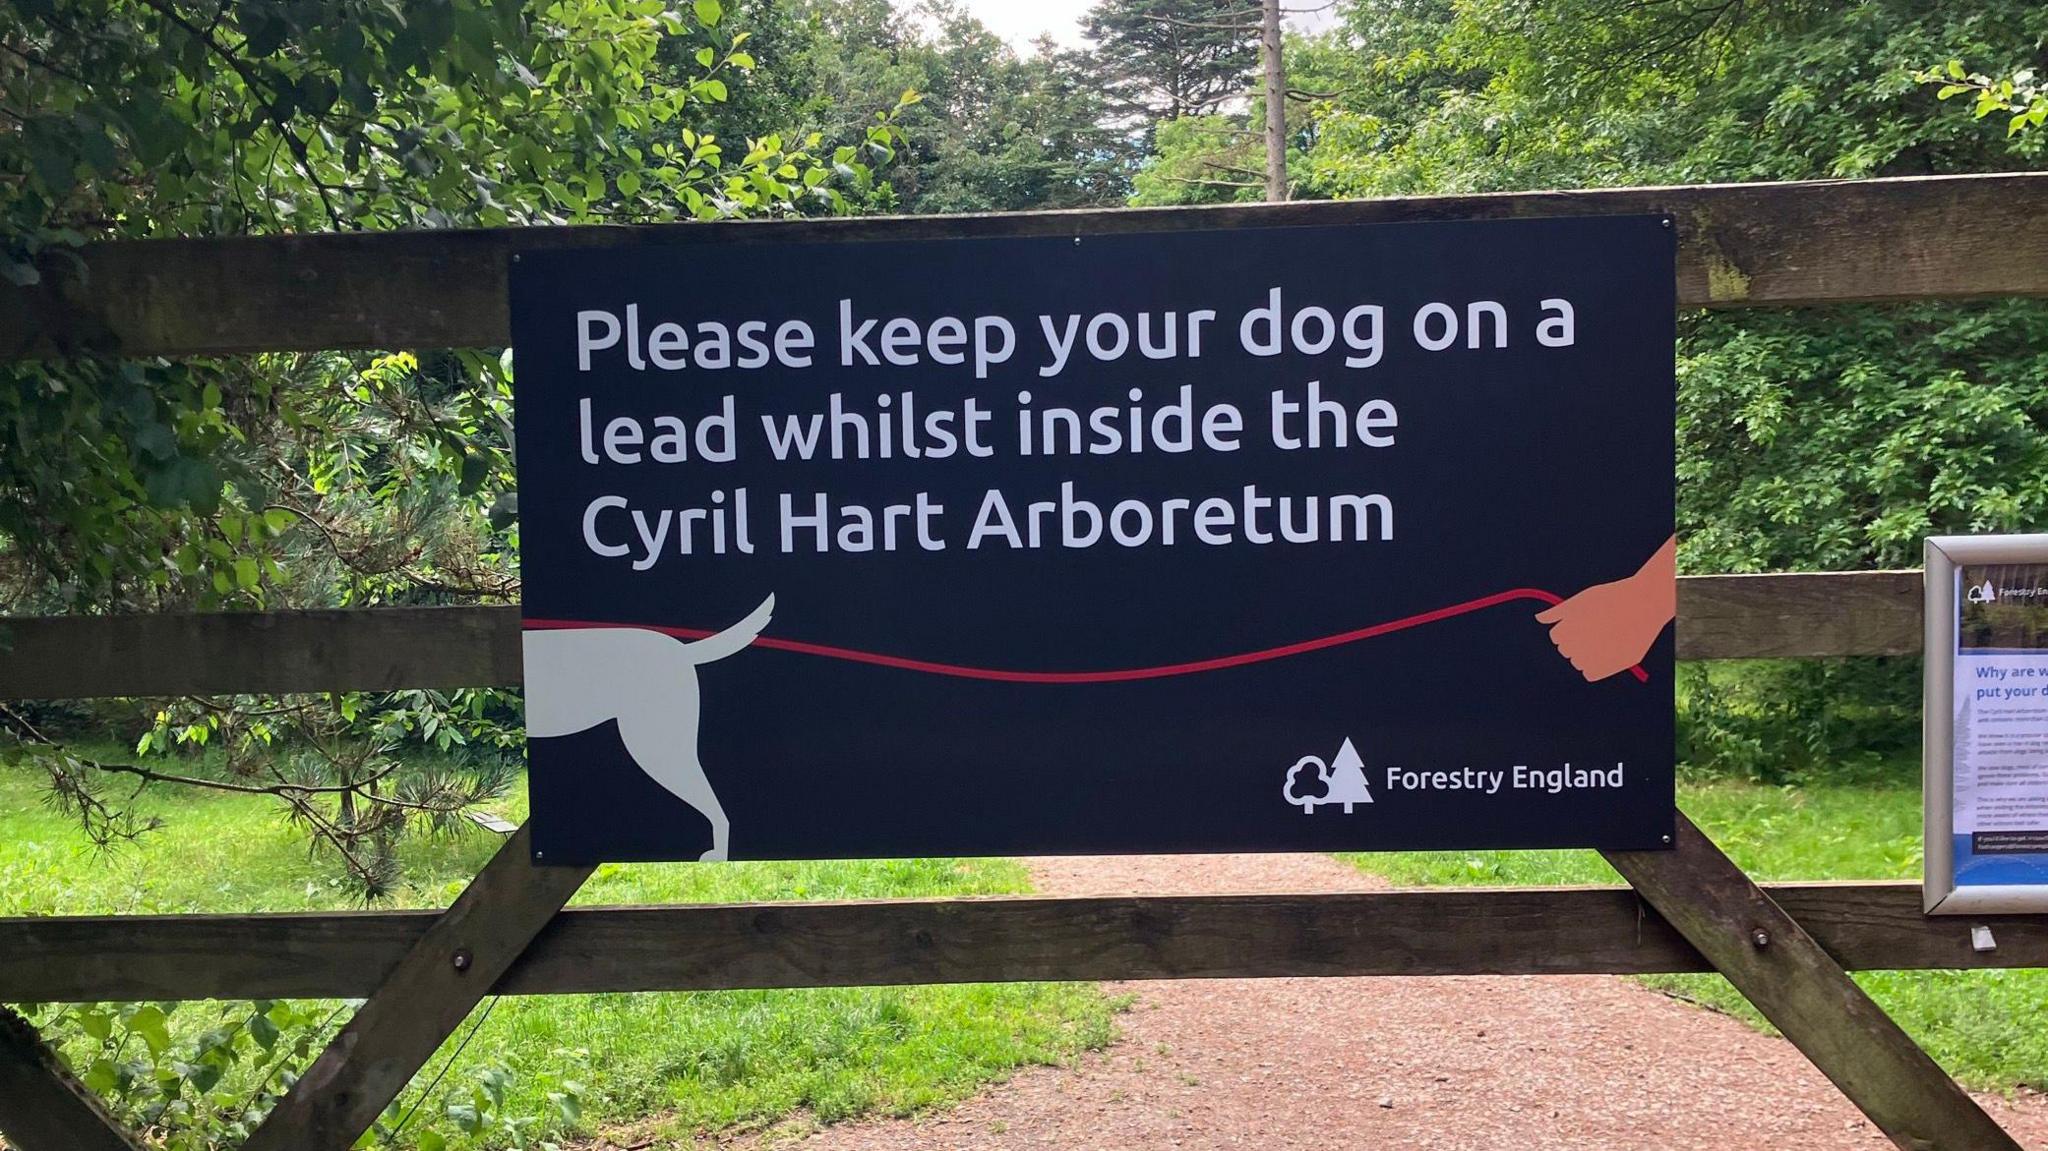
(1020, 21)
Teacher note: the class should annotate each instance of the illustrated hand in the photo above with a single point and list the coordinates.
(1609, 627)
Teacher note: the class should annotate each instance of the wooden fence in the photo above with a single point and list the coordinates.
(1689, 909)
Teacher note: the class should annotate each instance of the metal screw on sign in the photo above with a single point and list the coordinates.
(1761, 938)
(461, 959)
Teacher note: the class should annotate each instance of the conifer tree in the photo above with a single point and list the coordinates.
(1165, 59)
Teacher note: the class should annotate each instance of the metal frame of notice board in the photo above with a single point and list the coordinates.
(1945, 557)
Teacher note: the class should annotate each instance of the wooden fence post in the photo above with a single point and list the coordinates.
(424, 999)
(43, 1107)
(1806, 994)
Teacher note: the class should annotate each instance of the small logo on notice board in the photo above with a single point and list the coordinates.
(1983, 593)
(1312, 783)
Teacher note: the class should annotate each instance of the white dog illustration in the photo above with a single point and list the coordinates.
(577, 678)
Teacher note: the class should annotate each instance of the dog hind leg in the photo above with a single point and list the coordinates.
(664, 744)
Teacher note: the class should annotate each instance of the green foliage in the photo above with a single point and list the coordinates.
(145, 117)
(1009, 134)
(1793, 721)
(1841, 442)
(1202, 160)
(351, 482)
(1165, 59)
(331, 479)
(189, 1077)
(486, 1109)
(348, 774)
(139, 118)
(2022, 96)
(700, 1061)
(1506, 94)
(988, 130)
(202, 1076)
(1174, 68)
(1431, 96)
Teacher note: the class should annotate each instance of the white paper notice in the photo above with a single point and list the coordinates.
(2001, 721)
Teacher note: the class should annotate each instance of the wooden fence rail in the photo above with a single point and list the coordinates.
(1456, 931)
(380, 649)
(1935, 237)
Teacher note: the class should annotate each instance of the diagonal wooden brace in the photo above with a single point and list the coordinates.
(421, 1002)
(1803, 992)
(43, 1107)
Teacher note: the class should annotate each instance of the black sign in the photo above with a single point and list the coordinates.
(1262, 539)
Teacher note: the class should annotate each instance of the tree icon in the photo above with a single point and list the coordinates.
(1347, 779)
(1308, 783)
(1311, 781)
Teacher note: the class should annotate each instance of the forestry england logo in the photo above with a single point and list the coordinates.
(1312, 783)
(1984, 594)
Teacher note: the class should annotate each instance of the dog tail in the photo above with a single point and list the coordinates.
(732, 639)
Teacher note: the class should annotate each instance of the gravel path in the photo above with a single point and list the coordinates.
(1581, 1062)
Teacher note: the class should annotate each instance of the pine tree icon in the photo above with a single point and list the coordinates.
(1347, 779)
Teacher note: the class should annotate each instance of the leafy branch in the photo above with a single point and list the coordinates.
(2023, 96)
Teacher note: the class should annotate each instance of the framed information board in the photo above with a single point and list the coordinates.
(1986, 724)
(1252, 539)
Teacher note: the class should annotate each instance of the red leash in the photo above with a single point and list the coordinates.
(1119, 676)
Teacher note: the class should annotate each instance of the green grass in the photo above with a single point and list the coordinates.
(1988, 1028)
(698, 1060)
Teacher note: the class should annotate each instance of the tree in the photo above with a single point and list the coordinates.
(1347, 778)
(997, 132)
(1506, 94)
(1165, 59)
(989, 130)
(1307, 785)
(1201, 160)
(316, 480)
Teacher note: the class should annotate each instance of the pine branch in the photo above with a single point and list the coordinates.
(1178, 23)
(1203, 183)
